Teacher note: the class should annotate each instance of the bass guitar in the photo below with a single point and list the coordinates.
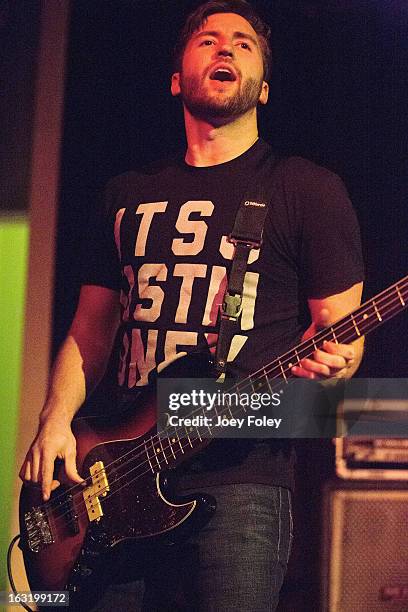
(70, 541)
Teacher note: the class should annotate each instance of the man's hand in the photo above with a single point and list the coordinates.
(79, 366)
(54, 440)
(332, 360)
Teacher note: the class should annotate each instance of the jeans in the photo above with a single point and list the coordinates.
(236, 562)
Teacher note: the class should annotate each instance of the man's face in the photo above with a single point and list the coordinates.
(222, 69)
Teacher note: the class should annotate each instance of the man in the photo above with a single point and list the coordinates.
(163, 246)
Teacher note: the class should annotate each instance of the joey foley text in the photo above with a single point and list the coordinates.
(221, 409)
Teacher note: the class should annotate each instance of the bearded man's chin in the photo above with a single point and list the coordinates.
(237, 105)
(210, 111)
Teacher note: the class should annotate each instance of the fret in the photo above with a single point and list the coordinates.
(215, 410)
(376, 311)
(400, 296)
(259, 384)
(334, 335)
(314, 344)
(188, 437)
(171, 442)
(214, 407)
(297, 357)
(267, 381)
(283, 371)
(148, 458)
(198, 433)
(155, 454)
(355, 326)
(238, 392)
(178, 439)
(191, 430)
(360, 319)
(161, 446)
(241, 407)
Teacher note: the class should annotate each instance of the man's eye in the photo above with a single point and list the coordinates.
(207, 43)
(245, 45)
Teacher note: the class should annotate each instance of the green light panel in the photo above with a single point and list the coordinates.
(14, 233)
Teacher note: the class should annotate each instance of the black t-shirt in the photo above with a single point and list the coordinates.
(162, 243)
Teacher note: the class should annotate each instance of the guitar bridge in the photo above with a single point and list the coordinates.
(98, 488)
(39, 533)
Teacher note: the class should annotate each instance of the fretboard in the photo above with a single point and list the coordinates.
(360, 322)
(176, 444)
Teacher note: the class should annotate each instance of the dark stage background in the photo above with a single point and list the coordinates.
(339, 94)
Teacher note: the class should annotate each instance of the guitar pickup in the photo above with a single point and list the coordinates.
(98, 488)
(70, 514)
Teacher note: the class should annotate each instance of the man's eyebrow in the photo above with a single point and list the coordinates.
(236, 35)
(247, 36)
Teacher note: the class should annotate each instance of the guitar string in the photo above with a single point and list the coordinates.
(241, 387)
(389, 295)
(160, 462)
(144, 450)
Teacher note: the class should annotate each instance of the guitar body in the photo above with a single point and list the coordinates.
(65, 549)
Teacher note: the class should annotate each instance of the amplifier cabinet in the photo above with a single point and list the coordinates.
(365, 547)
(367, 458)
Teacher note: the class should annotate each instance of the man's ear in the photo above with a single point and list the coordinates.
(263, 98)
(175, 84)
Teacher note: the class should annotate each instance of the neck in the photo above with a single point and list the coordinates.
(210, 144)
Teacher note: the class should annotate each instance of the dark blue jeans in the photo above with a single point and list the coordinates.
(236, 562)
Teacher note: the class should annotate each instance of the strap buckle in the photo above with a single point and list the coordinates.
(241, 242)
(232, 306)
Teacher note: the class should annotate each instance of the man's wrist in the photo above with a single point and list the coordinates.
(55, 413)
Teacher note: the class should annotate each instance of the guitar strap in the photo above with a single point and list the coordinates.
(245, 236)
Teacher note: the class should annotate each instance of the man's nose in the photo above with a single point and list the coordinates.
(226, 50)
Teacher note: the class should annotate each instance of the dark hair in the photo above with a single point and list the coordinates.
(241, 7)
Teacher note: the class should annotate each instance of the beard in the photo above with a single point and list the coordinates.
(205, 106)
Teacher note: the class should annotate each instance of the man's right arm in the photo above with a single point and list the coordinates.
(80, 365)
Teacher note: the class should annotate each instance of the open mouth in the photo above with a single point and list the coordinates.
(222, 74)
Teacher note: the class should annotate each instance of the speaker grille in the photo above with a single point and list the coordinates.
(369, 551)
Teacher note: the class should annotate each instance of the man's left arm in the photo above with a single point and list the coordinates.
(332, 360)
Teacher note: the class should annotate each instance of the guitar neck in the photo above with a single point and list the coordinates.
(358, 323)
